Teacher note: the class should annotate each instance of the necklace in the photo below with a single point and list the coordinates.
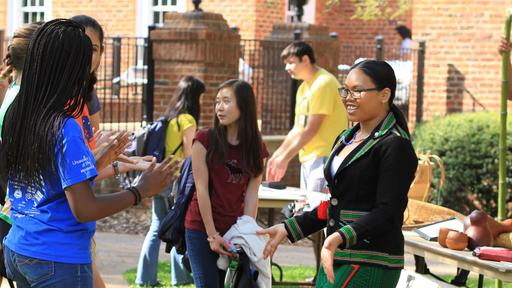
(353, 140)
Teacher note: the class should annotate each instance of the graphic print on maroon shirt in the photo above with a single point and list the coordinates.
(235, 171)
(229, 184)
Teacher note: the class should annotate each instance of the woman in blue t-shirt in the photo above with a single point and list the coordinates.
(50, 168)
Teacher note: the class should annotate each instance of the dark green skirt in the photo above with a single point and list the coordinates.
(359, 276)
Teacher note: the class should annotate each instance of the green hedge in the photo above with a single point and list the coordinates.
(468, 145)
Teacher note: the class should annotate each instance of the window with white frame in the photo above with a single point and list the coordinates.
(152, 12)
(32, 11)
(162, 6)
(27, 11)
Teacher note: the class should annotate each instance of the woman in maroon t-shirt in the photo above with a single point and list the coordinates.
(227, 162)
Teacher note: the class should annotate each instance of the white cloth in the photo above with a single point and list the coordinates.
(243, 233)
(406, 45)
(335, 164)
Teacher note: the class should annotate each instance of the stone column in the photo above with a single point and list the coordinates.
(195, 43)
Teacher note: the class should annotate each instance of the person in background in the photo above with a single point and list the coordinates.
(183, 112)
(369, 172)
(227, 164)
(11, 74)
(95, 32)
(13, 64)
(319, 118)
(406, 35)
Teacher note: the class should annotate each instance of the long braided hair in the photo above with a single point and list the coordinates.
(55, 71)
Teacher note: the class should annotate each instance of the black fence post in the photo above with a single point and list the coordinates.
(150, 83)
(116, 65)
(297, 35)
(419, 81)
(379, 47)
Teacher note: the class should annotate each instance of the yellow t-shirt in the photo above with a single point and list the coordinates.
(321, 97)
(174, 134)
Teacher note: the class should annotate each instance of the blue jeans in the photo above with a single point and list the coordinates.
(203, 261)
(147, 268)
(32, 272)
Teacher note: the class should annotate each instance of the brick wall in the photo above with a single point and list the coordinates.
(3, 14)
(268, 12)
(201, 46)
(118, 17)
(462, 39)
(237, 13)
(358, 31)
(253, 17)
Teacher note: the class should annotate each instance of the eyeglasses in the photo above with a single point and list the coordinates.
(355, 94)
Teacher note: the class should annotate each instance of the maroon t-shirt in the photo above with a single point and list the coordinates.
(228, 194)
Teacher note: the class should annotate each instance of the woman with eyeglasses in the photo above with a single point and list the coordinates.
(369, 172)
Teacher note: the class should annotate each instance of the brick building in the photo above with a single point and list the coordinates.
(462, 58)
(253, 17)
(462, 66)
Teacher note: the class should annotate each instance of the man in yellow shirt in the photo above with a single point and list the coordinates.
(319, 118)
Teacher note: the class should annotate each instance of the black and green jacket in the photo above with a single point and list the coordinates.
(368, 198)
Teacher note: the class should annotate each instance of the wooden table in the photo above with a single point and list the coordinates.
(463, 260)
(274, 198)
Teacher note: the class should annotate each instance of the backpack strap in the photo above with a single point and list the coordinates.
(175, 116)
(177, 148)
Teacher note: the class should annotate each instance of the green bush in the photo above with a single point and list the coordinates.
(468, 145)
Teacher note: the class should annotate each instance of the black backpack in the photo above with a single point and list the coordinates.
(152, 140)
(240, 274)
(172, 227)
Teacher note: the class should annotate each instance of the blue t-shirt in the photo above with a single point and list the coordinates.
(43, 225)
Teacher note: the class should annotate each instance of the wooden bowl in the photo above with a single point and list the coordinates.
(456, 240)
(443, 233)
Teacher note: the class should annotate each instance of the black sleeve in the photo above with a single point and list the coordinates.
(397, 166)
(301, 226)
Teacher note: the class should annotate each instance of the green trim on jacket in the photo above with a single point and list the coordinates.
(373, 257)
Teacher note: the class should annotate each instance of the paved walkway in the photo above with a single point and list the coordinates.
(120, 252)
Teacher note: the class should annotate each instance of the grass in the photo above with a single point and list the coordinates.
(291, 274)
(473, 281)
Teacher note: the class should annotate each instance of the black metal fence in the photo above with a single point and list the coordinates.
(260, 64)
(407, 63)
(126, 96)
(122, 83)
